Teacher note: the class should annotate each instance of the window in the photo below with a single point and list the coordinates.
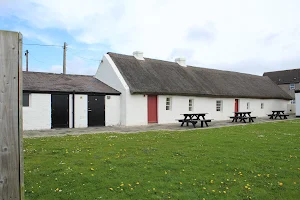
(293, 101)
(168, 103)
(219, 105)
(25, 99)
(248, 105)
(292, 86)
(191, 104)
(262, 105)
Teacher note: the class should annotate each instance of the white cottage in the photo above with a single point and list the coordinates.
(68, 101)
(156, 91)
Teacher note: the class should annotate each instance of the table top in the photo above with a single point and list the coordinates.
(194, 114)
(242, 112)
(277, 110)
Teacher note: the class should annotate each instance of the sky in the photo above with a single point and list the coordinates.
(248, 36)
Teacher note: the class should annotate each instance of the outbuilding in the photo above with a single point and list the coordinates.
(297, 100)
(156, 91)
(68, 101)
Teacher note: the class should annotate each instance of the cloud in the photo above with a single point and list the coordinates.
(208, 32)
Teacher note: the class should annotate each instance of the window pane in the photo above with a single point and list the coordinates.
(25, 99)
(167, 107)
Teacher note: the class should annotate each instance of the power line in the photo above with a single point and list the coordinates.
(45, 45)
(85, 58)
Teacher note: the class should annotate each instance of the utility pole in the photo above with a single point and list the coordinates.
(26, 54)
(65, 55)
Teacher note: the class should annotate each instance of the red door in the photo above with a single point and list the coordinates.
(152, 109)
(236, 105)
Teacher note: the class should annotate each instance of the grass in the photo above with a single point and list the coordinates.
(259, 161)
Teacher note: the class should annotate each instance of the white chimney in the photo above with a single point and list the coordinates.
(138, 55)
(181, 61)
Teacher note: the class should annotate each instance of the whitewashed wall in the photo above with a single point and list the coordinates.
(81, 114)
(109, 74)
(137, 108)
(112, 110)
(38, 115)
(297, 99)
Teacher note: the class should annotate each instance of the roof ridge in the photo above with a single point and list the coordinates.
(285, 70)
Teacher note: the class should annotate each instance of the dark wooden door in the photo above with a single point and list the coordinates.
(59, 111)
(96, 110)
(152, 109)
(236, 105)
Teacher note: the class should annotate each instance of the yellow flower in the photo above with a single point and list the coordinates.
(166, 172)
(268, 175)
(234, 180)
(211, 181)
(57, 189)
(92, 169)
(224, 192)
(204, 188)
(227, 188)
(131, 188)
(137, 183)
(122, 184)
(153, 188)
(92, 175)
(258, 175)
(129, 184)
(148, 190)
(246, 186)
(180, 183)
(111, 189)
(121, 189)
(280, 184)
(295, 183)
(213, 190)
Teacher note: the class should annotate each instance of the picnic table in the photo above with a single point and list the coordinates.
(194, 118)
(242, 116)
(278, 113)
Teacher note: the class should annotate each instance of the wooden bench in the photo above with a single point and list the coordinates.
(242, 119)
(275, 116)
(195, 121)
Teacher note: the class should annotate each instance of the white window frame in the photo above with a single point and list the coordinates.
(262, 105)
(293, 101)
(292, 86)
(168, 103)
(248, 105)
(191, 104)
(219, 105)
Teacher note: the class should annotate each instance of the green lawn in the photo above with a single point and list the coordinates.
(259, 161)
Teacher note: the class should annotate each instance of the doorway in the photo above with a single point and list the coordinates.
(96, 110)
(236, 105)
(59, 111)
(152, 109)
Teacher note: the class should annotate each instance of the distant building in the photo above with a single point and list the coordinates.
(288, 80)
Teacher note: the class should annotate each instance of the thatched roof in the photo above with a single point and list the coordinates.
(284, 76)
(152, 76)
(48, 82)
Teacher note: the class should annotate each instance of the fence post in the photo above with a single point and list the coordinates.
(11, 153)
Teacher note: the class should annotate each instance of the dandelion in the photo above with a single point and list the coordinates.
(137, 183)
(234, 180)
(180, 183)
(153, 189)
(213, 191)
(227, 188)
(204, 188)
(121, 189)
(148, 190)
(280, 184)
(129, 184)
(295, 183)
(211, 181)
(246, 186)
(57, 189)
(92, 175)
(131, 189)
(111, 189)
(122, 184)
(258, 175)
(166, 172)
(92, 169)
(224, 192)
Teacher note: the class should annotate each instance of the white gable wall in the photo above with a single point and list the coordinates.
(109, 74)
(297, 99)
(38, 114)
